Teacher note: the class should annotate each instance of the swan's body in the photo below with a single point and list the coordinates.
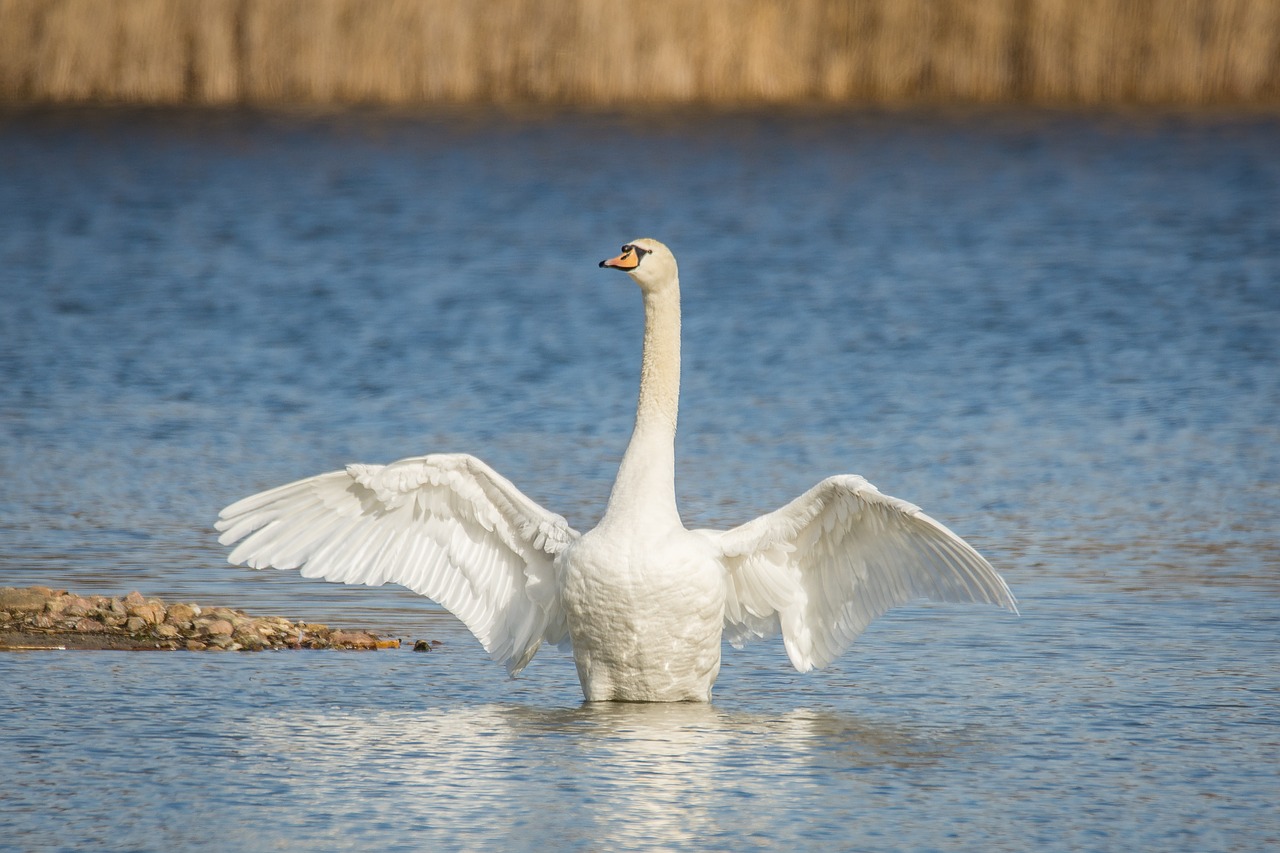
(643, 601)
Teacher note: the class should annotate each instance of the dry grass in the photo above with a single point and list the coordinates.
(605, 52)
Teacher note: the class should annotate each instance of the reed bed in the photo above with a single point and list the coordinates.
(611, 52)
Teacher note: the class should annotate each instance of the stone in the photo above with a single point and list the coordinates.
(179, 613)
(195, 646)
(218, 628)
(152, 613)
(89, 626)
(134, 599)
(118, 608)
(28, 600)
(353, 640)
(135, 624)
(78, 607)
(167, 631)
(248, 640)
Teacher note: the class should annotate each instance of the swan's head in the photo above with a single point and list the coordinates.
(647, 261)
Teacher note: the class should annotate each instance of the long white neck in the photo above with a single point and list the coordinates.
(646, 484)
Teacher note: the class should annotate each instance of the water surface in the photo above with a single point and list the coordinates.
(1056, 333)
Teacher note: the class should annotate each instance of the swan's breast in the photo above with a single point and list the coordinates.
(645, 614)
(621, 591)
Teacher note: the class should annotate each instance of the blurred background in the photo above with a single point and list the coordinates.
(612, 52)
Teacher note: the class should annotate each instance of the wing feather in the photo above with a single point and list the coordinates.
(447, 526)
(822, 568)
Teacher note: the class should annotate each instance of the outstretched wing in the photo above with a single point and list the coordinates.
(447, 526)
(821, 568)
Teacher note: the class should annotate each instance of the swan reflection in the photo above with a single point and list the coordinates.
(626, 775)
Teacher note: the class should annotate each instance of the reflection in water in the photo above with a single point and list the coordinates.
(611, 775)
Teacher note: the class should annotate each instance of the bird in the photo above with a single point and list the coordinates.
(642, 602)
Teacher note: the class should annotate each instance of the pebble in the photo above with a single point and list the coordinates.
(219, 627)
(151, 623)
(77, 607)
(153, 613)
(25, 600)
(179, 613)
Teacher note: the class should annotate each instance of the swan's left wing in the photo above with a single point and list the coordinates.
(447, 526)
(821, 568)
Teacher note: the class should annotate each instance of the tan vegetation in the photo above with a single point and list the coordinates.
(604, 52)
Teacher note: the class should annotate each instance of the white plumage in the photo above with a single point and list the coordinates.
(643, 601)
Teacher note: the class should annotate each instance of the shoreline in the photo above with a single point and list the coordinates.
(39, 618)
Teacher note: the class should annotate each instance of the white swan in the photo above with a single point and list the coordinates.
(643, 601)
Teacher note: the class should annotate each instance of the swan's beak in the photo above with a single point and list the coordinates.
(627, 261)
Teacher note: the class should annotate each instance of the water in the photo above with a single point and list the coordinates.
(1057, 333)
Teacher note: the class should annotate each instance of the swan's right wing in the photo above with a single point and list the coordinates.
(446, 526)
(821, 568)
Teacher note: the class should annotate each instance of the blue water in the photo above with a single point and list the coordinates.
(1059, 334)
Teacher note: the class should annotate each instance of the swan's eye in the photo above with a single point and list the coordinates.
(628, 249)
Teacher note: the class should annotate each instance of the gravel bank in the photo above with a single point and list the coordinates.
(38, 617)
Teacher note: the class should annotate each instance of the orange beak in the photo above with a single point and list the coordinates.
(628, 260)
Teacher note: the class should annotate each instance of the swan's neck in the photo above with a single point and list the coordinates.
(646, 478)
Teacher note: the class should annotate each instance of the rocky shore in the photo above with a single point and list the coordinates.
(38, 617)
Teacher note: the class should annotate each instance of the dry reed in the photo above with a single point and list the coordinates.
(604, 52)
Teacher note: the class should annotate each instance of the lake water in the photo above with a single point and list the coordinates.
(1059, 334)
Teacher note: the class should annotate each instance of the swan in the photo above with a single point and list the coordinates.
(642, 601)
